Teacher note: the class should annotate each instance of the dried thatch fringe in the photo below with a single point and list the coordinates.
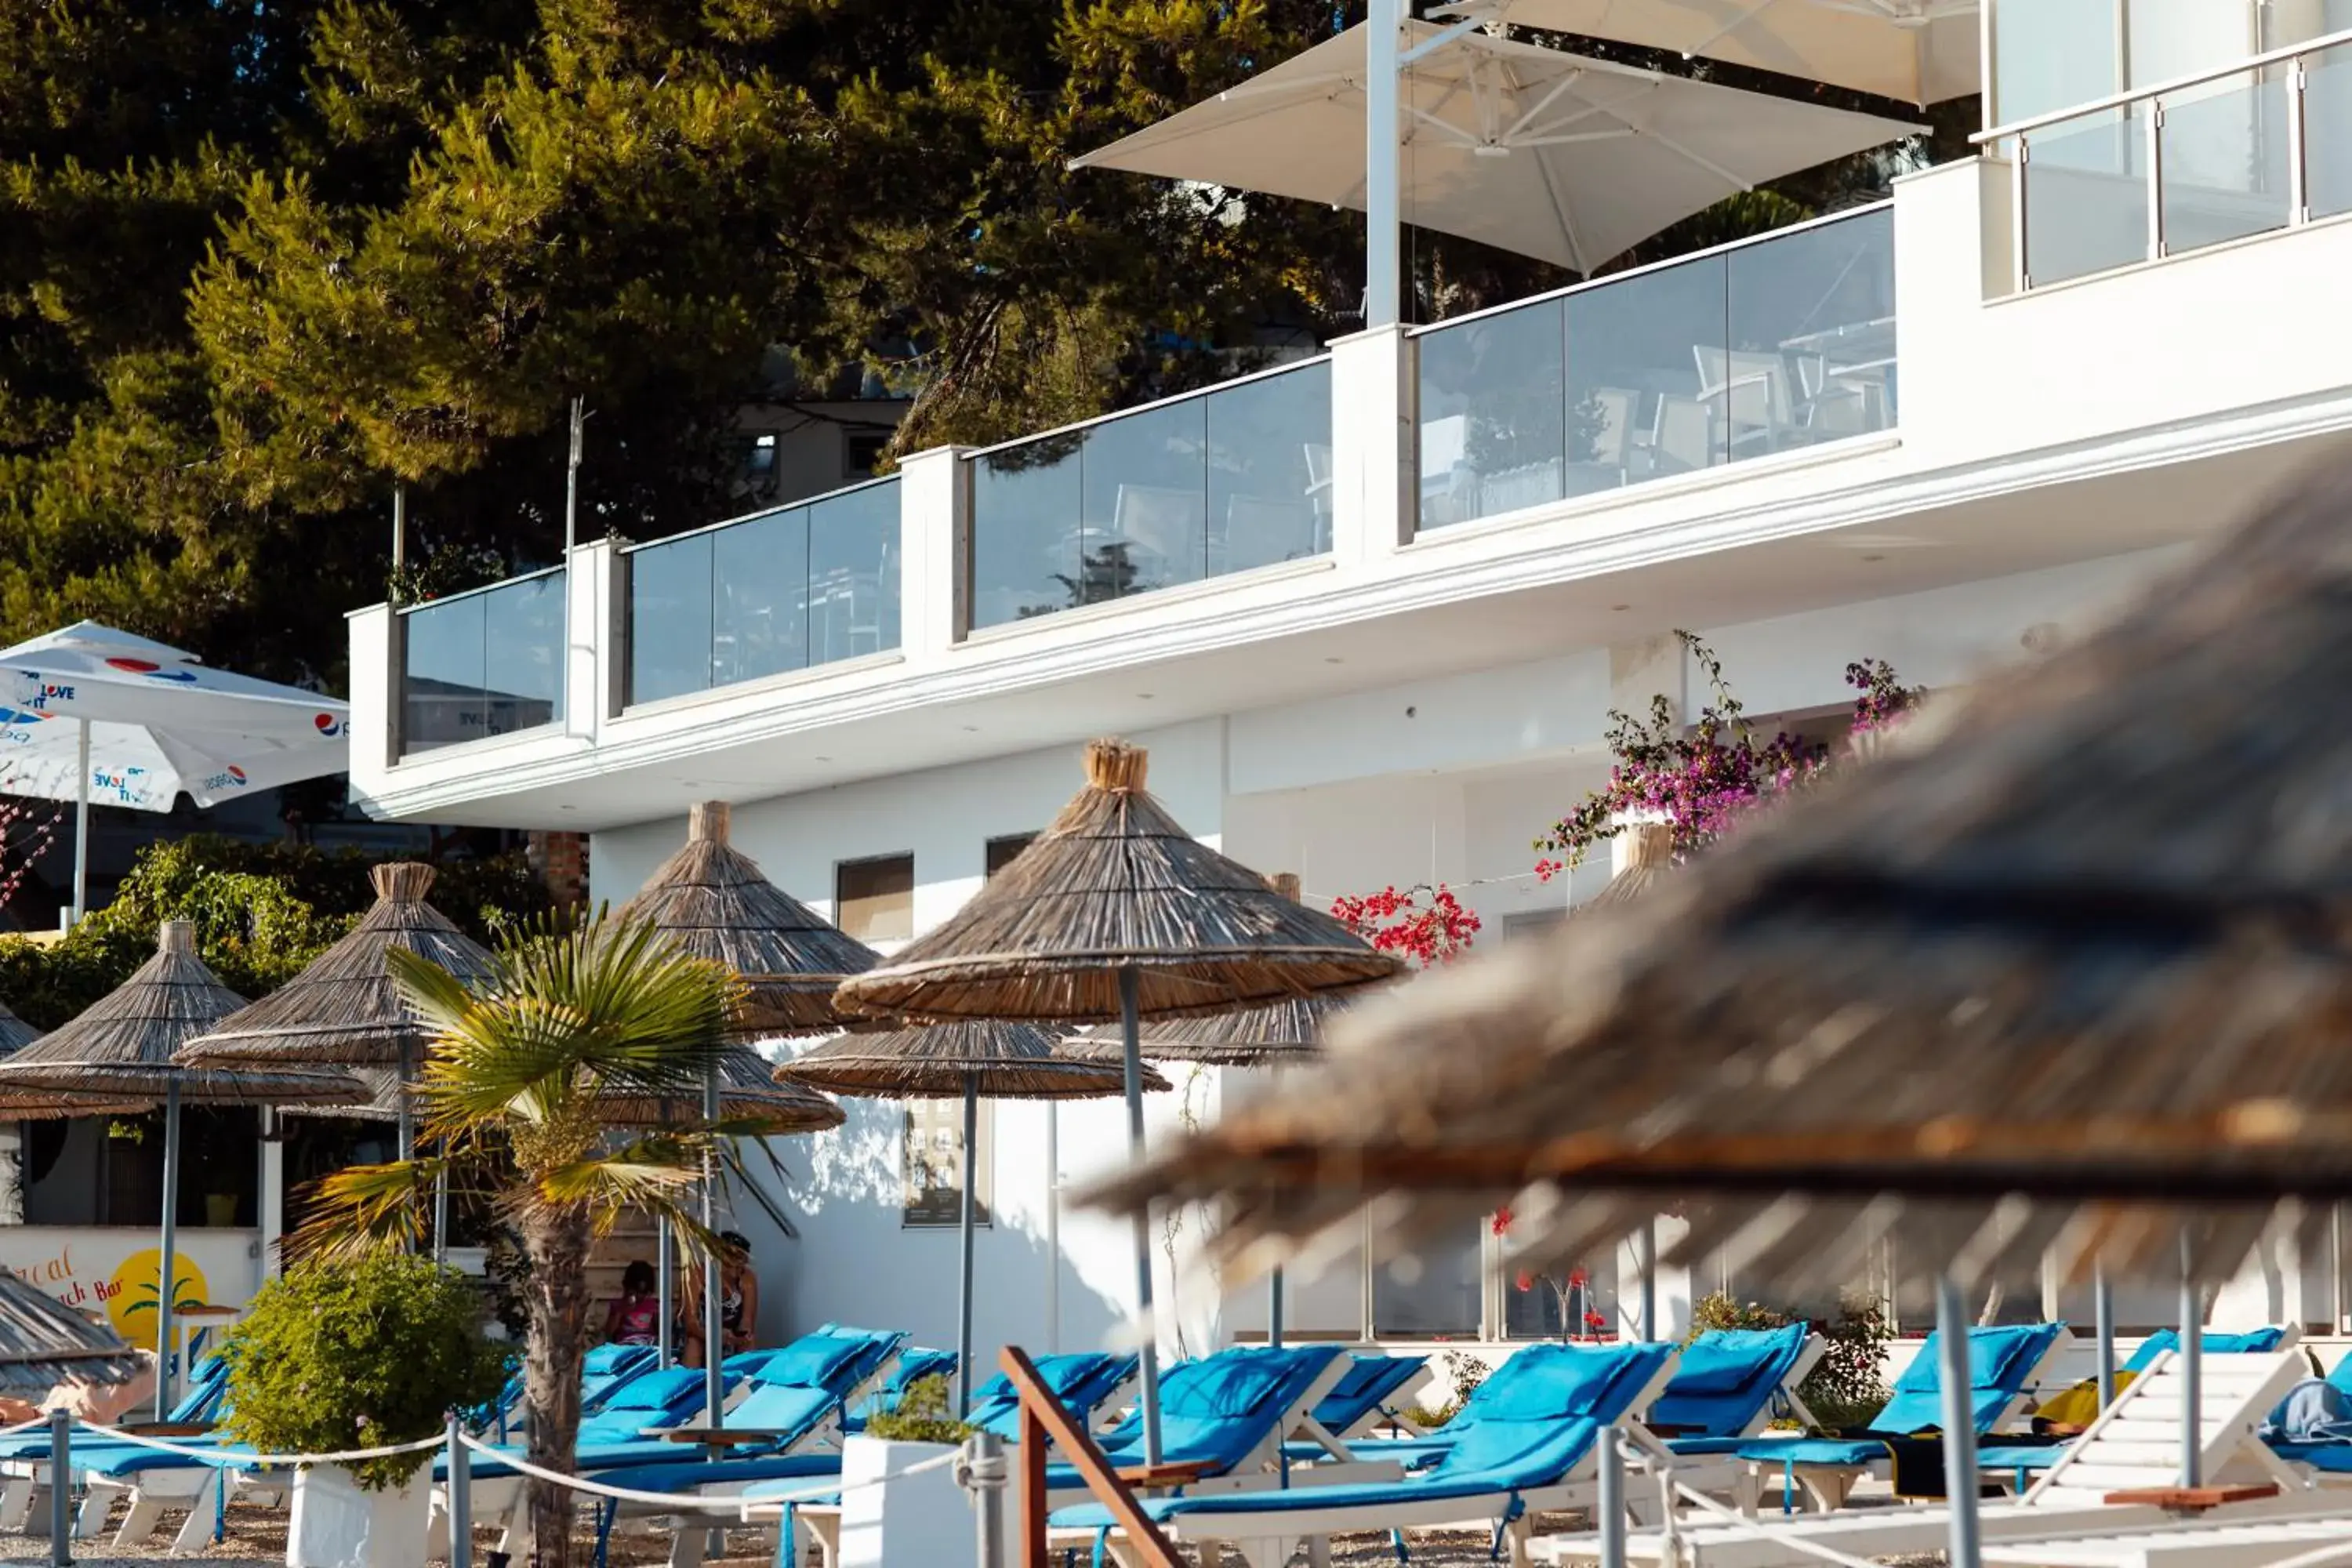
(746, 1093)
(1114, 883)
(2088, 944)
(711, 899)
(43, 1344)
(15, 1033)
(344, 1008)
(119, 1052)
(1003, 1061)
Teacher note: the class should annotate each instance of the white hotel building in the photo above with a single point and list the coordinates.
(1370, 611)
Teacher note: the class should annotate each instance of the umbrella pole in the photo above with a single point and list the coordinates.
(164, 1283)
(1649, 1241)
(2192, 1372)
(963, 1296)
(665, 1286)
(2102, 1310)
(1274, 1278)
(441, 1212)
(1053, 1228)
(1959, 1423)
(408, 1123)
(714, 1335)
(81, 829)
(1149, 1361)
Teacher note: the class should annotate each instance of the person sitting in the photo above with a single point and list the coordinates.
(739, 1302)
(634, 1316)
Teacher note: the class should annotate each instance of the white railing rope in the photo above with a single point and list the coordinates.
(742, 1508)
(238, 1458)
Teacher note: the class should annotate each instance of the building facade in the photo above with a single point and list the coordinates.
(1370, 612)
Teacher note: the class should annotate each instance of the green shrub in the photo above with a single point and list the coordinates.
(923, 1414)
(1845, 1389)
(360, 1355)
(1465, 1372)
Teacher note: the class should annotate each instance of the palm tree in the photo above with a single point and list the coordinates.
(510, 1092)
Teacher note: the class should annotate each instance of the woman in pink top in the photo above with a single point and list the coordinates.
(635, 1319)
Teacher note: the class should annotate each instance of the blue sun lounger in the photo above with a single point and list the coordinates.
(1529, 1446)
(1081, 1383)
(2006, 1365)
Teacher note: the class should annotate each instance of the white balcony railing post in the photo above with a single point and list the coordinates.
(596, 642)
(376, 681)
(1373, 445)
(934, 542)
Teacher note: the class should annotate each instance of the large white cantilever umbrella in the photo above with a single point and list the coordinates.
(1914, 51)
(1533, 149)
(89, 713)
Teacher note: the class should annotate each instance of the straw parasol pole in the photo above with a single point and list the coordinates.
(712, 901)
(1115, 913)
(971, 1062)
(120, 1050)
(1277, 1035)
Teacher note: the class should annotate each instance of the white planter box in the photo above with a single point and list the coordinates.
(336, 1524)
(908, 1521)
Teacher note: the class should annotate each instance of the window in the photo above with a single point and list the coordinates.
(1435, 1293)
(1003, 852)
(755, 468)
(933, 1184)
(873, 900)
(864, 450)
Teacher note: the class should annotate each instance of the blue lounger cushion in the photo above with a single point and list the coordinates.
(1827, 1452)
(1366, 1387)
(1080, 1381)
(2000, 1362)
(688, 1477)
(1728, 1378)
(2251, 1341)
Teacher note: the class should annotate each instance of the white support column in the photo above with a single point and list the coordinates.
(376, 674)
(1373, 445)
(597, 663)
(934, 541)
(1383, 277)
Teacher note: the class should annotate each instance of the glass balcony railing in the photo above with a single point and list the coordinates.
(2184, 166)
(488, 662)
(1765, 346)
(1211, 483)
(803, 586)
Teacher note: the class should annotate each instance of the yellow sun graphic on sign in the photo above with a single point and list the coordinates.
(131, 1294)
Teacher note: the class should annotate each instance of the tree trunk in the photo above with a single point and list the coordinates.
(558, 1296)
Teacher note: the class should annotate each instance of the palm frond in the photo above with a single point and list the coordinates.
(654, 1173)
(607, 1008)
(363, 1209)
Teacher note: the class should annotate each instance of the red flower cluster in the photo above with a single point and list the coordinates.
(1398, 921)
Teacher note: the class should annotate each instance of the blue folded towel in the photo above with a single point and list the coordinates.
(2314, 1411)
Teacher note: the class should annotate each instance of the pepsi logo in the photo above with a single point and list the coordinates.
(329, 725)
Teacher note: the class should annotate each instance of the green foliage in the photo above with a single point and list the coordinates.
(1846, 1388)
(1465, 1373)
(359, 1356)
(261, 912)
(923, 1415)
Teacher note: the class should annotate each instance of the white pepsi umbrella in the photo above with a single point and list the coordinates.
(91, 714)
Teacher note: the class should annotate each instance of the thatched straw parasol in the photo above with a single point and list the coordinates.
(43, 1344)
(344, 1006)
(970, 1062)
(1115, 911)
(712, 901)
(15, 1033)
(120, 1051)
(747, 1094)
